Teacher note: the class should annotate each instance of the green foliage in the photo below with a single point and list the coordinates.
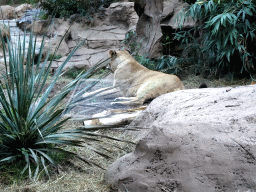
(54, 57)
(11, 173)
(74, 72)
(224, 33)
(150, 64)
(128, 37)
(30, 120)
(166, 42)
(12, 2)
(168, 64)
(31, 1)
(65, 8)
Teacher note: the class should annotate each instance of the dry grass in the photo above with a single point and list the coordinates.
(74, 175)
(193, 82)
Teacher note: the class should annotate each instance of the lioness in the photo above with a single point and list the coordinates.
(137, 83)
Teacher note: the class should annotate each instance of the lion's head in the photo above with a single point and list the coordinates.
(118, 58)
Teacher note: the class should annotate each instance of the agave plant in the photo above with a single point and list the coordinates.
(30, 121)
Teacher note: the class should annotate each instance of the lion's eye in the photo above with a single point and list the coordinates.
(108, 66)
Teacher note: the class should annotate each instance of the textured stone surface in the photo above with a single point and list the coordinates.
(38, 27)
(197, 140)
(7, 12)
(21, 9)
(29, 16)
(52, 44)
(108, 29)
(148, 27)
(122, 14)
(170, 13)
(82, 58)
(102, 37)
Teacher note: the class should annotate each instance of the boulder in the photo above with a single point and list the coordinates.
(79, 62)
(122, 14)
(197, 140)
(170, 14)
(38, 27)
(83, 58)
(53, 43)
(148, 28)
(28, 17)
(60, 27)
(102, 37)
(21, 9)
(7, 12)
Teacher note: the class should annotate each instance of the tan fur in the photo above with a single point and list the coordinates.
(4, 32)
(137, 83)
(95, 122)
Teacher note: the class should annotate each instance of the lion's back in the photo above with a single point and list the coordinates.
(135, 80)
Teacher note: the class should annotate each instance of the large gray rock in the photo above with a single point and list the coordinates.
(21, 9)
(60, 27)
(171, 12)
(28, 17)
(51, 45)
(83, 58)
(122, 14)
(198, 140)
(148, 28)
(103, 37)
(39, 27)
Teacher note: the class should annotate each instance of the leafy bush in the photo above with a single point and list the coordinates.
(54, 57)
(224, 33)
(168, 64)
(74, 72)
(13, 2)
(31, 121)
(65, 8)
(31, 1)
(149, 63)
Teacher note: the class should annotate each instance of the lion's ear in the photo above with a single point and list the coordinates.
(112, 53)
(129, 51)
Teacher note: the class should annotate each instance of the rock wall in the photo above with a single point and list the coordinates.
(148, 28)
(171, 17)
(106, 31)
(9, 12)
(197, 140)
